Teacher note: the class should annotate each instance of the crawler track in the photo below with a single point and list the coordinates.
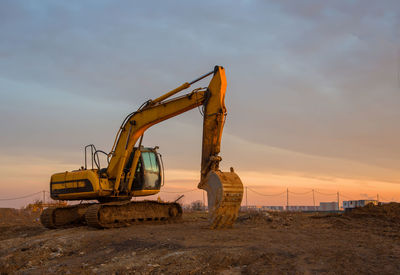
(109, 215)
(121, 214)
(67, 216)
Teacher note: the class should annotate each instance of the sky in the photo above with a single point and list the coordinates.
(313, 91)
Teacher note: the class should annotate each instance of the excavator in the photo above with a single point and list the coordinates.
(135, 171)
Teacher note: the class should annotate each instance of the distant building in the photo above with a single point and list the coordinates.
(261, 208)
(348, 205)
(249, 208)
(300, 208)
(272, 208)
(328, 206)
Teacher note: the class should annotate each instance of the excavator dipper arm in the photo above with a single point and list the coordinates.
(224, 189)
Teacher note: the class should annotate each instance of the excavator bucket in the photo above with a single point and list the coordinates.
(224, 194)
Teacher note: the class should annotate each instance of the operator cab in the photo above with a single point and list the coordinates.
(148, 175)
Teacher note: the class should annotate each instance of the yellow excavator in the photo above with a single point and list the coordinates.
(134, 170)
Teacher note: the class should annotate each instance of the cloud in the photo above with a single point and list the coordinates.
(313, 87)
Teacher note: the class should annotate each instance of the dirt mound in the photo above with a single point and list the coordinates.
(389, 211)
(12, 216)
(254, 218)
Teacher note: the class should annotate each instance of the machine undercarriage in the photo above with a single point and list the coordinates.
(110, 215)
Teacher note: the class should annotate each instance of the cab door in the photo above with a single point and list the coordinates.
(148, 174)
(151, 170)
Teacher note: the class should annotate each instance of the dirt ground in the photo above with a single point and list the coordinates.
(363, 242)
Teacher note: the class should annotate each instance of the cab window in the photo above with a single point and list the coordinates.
(150, 162)
(152, 176)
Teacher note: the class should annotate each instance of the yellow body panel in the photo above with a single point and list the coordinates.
(81, 184)
(85, 184)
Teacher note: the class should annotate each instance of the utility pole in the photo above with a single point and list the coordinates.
(247, 206)
(313, 198)
(338, 206)
(44, 197)
(287, 199)
(204, 202)
(377, 197)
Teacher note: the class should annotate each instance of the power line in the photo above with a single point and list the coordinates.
(302, 193)
(269, 195)
(251, 189)
(22, 197)
(326, 194)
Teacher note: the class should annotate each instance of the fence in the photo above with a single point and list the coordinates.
(251, 197)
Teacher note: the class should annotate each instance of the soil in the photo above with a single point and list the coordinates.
(365, 241)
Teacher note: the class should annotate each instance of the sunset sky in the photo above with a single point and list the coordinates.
(313, 92)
